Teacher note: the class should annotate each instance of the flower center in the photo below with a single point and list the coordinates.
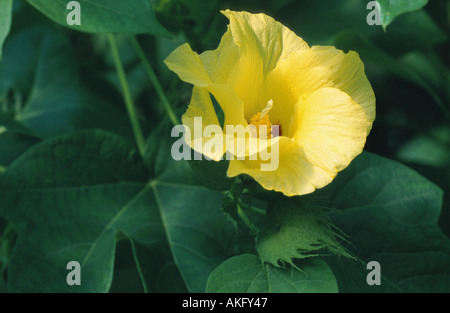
(262, 118)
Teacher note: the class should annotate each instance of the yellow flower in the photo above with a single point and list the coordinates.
(264, 74)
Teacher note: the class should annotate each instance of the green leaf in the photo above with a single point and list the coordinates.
(300, 231)
(246, 273)
(16, 144)
(199, 234)
(390, 9)
(5, 21)
(105, 16)
(16, 137)
(66, 209)
(391, 215)
(70, 196)
(40, 82)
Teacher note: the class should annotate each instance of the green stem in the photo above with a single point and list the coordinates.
(137, 130)
(154, 79)
(258, 210)
(254, 209)
(246, 220)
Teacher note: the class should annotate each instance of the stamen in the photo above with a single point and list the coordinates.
(253, 131)
(268, 107)
(262, 119)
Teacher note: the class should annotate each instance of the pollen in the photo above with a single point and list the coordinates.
(262, 118)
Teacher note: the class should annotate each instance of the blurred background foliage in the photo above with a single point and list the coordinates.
(407, 65)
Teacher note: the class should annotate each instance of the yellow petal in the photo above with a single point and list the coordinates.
(346, 72)
(259, 36)
(262, 39)
(202, 107)
(188, 66)
(210, 67)
(329, 131)
(262, 42)
(295, 175)
(220, 62)
(232, 106)
(285, 84)
(235, 142)
(321, 98)
(331, 128)
(307, 70)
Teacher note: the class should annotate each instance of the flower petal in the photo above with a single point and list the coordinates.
(307, 70)
(235, 142)
(331, 128)
(232, 106)
(347, 74)
(294, 175)
(220, 62)
(202, 107)
(188, 66)
(262, 42)
(263, 39)
(209, 70)
(210, 67)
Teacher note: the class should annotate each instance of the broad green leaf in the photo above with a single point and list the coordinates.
(67, 197)
(246, 273)
(40, 82)
(5, 21)
(199, 234)
(70, 196)
(105, 16)
(391, 215)
(16, 138)
(390, 9)
(14, 144)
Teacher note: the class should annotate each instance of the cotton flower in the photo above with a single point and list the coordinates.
(264, 74)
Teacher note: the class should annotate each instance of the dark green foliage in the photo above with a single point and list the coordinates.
(73, 186)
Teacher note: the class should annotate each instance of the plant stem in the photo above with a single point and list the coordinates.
(258, 210)
(137, 130)
(154, 79)
(254, 209)
(246, 220)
